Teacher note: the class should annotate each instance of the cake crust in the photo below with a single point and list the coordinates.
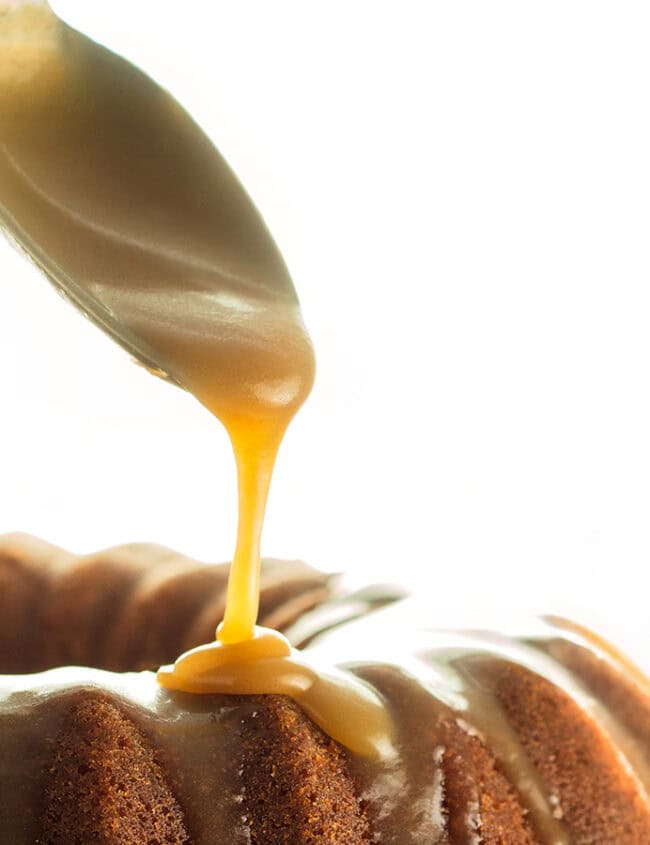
(501, 739)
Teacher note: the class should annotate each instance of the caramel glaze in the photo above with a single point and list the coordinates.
(124, 202)
(450, 694)
(128, 207)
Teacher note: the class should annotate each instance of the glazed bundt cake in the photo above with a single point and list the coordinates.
(540, 738)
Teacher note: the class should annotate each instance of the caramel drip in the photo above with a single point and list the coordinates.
(347, 709)
(255, 453)
(127, 206)
(632, 753)
(535, 652)
(449, 665)
(111, 609)
(550, 666)
(485, 713)
(444, 692)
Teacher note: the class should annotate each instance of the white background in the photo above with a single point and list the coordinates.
(462, 194)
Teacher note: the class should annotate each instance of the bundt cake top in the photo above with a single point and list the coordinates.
(536, 737)
(112, 609)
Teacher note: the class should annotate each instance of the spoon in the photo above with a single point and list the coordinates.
(124, 203)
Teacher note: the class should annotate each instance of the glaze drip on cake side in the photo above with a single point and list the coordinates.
(539, 735)
(151, 234)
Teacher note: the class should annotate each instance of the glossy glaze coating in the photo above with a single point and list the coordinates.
(441, 689)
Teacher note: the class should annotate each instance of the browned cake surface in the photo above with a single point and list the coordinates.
(621, 694)
(104, 779)
(470, 796)
(26, 565)
(109, 767)
(105, 785)
(475, 789)
(596, 797)
(113, 609)
(297, 781)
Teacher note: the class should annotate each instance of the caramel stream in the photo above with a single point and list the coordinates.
(129, 209)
